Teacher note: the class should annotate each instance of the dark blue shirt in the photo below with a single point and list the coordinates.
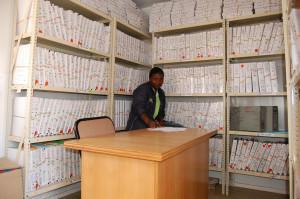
(144, 100)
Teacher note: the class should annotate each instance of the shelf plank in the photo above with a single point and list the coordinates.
(205, 59)
(122, 93)
(52, 187)
(131, 30)
(255, 18)
(58, 89)
(189, 27)
(257, 94)
(255, 56)
(258, 174)
(196, 95)
(51, 41)
(42, 139)
(82, 9)
(259, 134)
(211, 168)
(123, 59)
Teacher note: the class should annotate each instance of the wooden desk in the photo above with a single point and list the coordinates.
(145, 164)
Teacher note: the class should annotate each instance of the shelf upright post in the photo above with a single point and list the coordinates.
(288, 87)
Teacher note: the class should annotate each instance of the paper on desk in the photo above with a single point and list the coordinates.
(167, 129)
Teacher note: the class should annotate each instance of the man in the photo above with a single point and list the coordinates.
(148, 106)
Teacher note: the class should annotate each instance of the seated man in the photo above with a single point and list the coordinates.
(148, 106)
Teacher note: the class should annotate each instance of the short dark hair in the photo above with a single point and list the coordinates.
(156, 70)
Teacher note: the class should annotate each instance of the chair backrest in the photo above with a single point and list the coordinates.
(94, 127)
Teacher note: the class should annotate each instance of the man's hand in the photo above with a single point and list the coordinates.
(149, 122)
(152, 124)
(162, 123)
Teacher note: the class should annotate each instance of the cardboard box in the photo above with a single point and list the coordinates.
(11, 185)
(254, 118)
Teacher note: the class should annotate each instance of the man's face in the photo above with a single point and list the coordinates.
(156, 80)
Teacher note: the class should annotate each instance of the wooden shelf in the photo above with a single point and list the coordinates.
(205, 59)
(131, 30)
(210, 168)
(189, 27)
(60, 90)
(83, 9)
(196, 95)
(65, 45)
(257, 94)
(52, 187)
(43, 139)
(122, 93)
(125, 60)
(259, 134)
(256, 56)
(255, 18)
(258, 174)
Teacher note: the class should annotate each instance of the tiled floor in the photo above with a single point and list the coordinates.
(235, 193)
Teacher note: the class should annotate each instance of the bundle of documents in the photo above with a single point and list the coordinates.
(261, 38)
(50, 117)
(184, 12)
(160, 16)
(125, 10)
(122, 110)
(295, 39)
(190, 46)
(127, 78)
(236, 8)
(49, 163)
(267, 6)
(259, 156)
(194, 79)
(131, 48)
(66, 25)
(60, 70)
(198, 113)
(216, 150)
(256, 77)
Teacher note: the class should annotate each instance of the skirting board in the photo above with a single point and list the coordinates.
(59, 193)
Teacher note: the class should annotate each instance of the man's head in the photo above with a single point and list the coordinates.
(156, 77)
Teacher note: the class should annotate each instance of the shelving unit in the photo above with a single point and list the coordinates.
(201, 60)
(136, 33)
(230, 95)
(37, 39)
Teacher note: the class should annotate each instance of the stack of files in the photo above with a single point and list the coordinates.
(131, 48)
(66, 25)
(122, 110)
(198, 113)
(190, 46)
(256, 77)
(295, 39)
(127, 78)
(124, 10)
(259, 156)
(237, 8)
(160, 16)
(208, 10)
(51, 117)
(194, 79)
(216, 151)
(60, 70)
(184, 12)
(261, 38)
(49, 163)
(267, 6)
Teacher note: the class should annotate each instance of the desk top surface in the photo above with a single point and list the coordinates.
(143, 144)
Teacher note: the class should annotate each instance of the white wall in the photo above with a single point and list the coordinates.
(6, 24)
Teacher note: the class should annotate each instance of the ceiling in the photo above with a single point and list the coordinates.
(146, 3)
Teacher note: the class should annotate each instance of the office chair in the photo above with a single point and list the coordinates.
(93, 127)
